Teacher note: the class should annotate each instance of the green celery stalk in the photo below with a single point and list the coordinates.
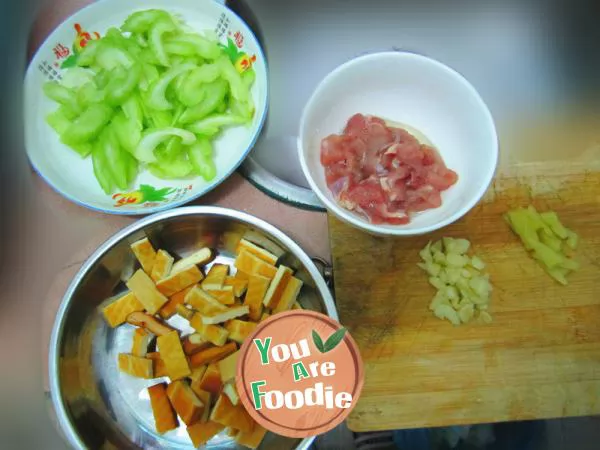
(141, 21)
(207, 126)
(204, 48)
(61, 95)
(116, 160)
(156, 97)
(239, 90)
(101, 168)
(190, 93)
(155, 39)
(214, 95)
(121, 85)
(88, 125)
(153, 137)
(200, 155)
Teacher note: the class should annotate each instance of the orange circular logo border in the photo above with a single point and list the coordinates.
(243, 386)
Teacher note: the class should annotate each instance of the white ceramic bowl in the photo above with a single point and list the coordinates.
(423, 94)
(72, 176)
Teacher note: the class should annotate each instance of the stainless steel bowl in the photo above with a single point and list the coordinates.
(96, 405)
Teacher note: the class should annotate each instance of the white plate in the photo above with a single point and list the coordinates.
(72, 176)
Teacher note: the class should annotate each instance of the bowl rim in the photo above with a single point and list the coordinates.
(154, 209)
(58, 403)
(398, 230)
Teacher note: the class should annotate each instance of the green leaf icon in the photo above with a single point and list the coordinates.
(333, 340)
(331, 343)
(318, 341)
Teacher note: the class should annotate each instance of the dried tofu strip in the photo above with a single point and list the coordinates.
(145, 254)
(215, 277)
(211, 380)
(150, 323)
(117, 311)
(162, 265)
(277, 286)
(212, 354)
(185, 402)
(202, 432)
(135, 366)
(239, 286)
(206, 398)
(198, 258)
(252, 265)
(158, 365)
(164, 414)
(289, 296)
(193, 343)
(257, 288)
(234, 416)
(224, 316)
(179, 281)
(144, 289)
(170, 307)
(171, 352)
(257, 251)
(141, 341)
(264, 242)
(205, 303)
(239, 330)
(212, 333)
(228, 366)
(184, 312)
(230, 391)
(224, 295)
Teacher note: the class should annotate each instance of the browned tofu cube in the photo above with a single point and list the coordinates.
(145, 254)
(231, 391)
(117, 311)
(141, 341)
(224, 316)
(239, 330)
(185, 402)
(257, 251)
(212, 333)
(212, 354)
(158, 365)
(198, 258)
(164, 414)
(211, 380)
(230, 415)
(224, 295)
(162, 266)
(289, 296)
(228, 367)
(170, 308)
(193, 343)
(145, 291)
(171, 352)
(135, 366)
(203, 302)
(179, 281)
(202, 432)
(239, 286)
(257, 287)
(252, 265)
(215, 277)
(277, 286)
(206, 398)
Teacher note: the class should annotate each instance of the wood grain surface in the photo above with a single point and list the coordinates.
(539, 358)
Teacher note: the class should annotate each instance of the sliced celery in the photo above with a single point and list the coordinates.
(152, 138)
(156, 96)
(200, 155)
(155, 39)
(214, 95)
(122, 84)
(87, 125)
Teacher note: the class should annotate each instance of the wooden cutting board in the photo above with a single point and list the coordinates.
(540, 357)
